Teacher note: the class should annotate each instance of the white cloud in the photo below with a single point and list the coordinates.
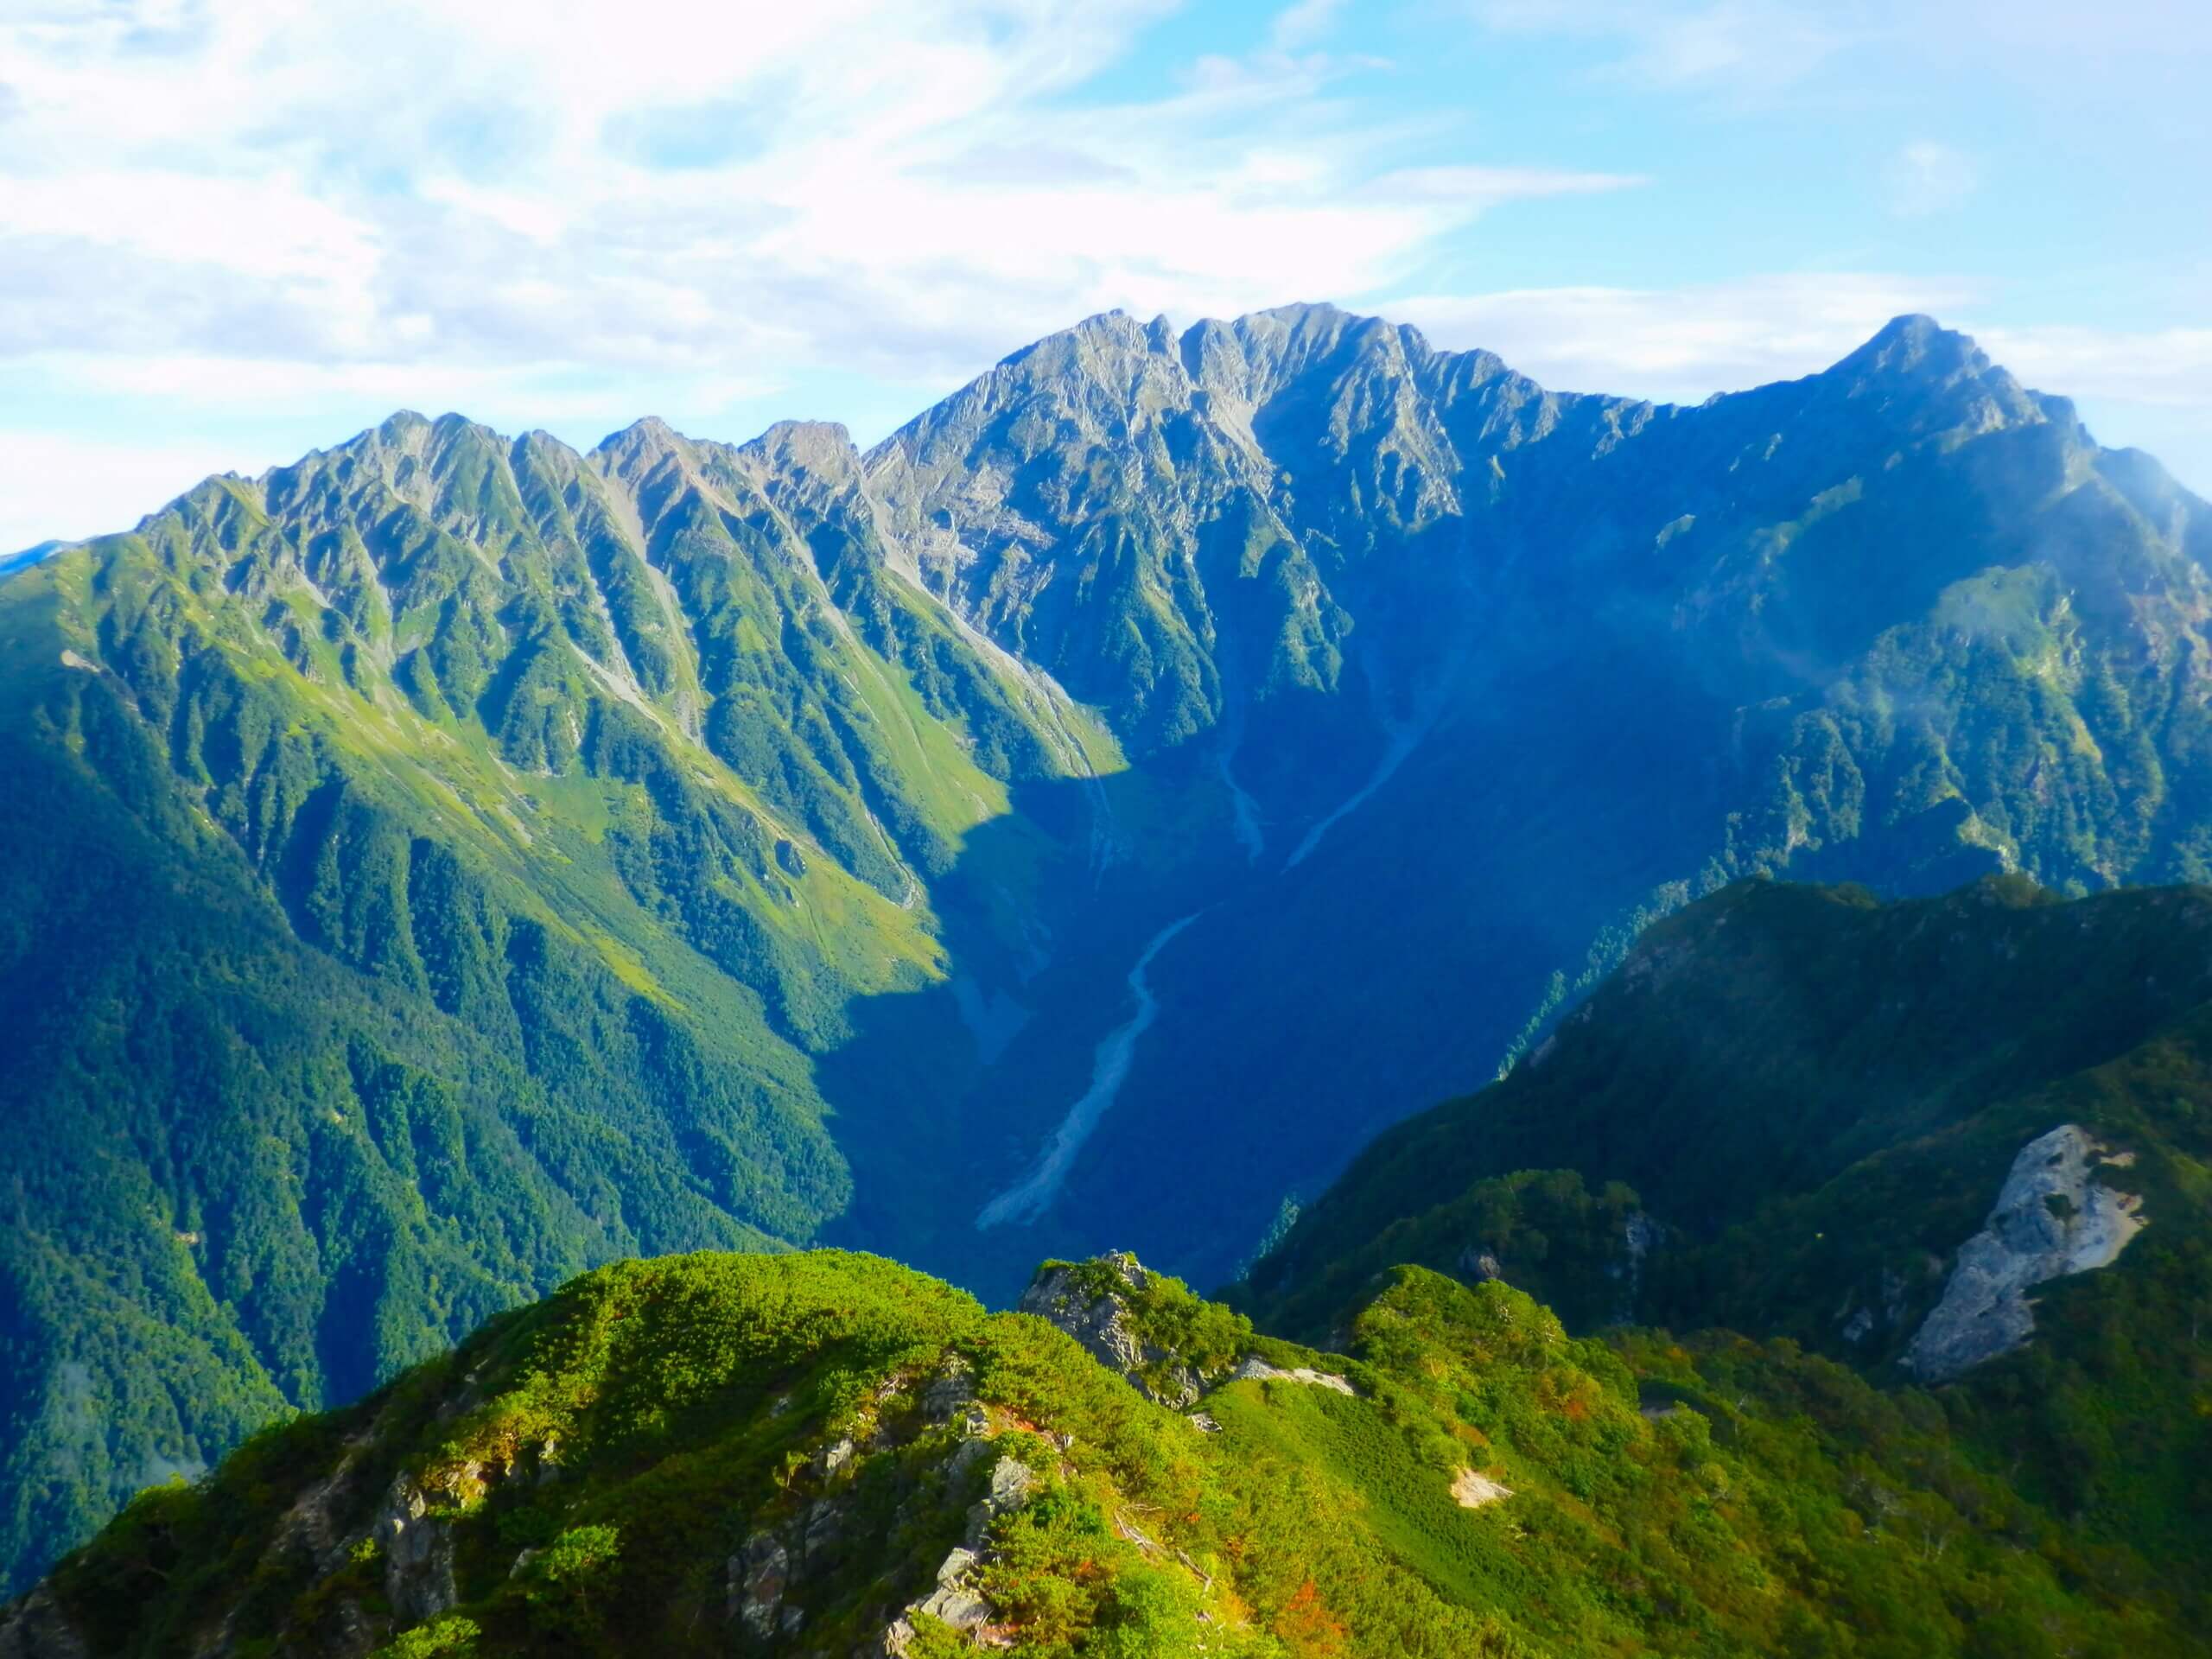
(1682, 344)
(1750, 51)
(2149, 388)
(1477, 188)
(1739, 47)
(250, 215)
(226, 386)
(209, 201)
(215, 206)
(1678, 344)
(2167, 366)
(1303, 22)
(63, 488)
(1927, 178)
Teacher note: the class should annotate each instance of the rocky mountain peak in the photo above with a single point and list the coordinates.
(1915, 365)
(1145, 1327)
(815, 444)
(643, 441)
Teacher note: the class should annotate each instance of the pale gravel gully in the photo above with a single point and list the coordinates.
(1027, 1198)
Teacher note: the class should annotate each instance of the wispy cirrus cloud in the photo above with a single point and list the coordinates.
(636, 186)
(1680, 344)
(1926, 178)
(1749, 51)
(1736, 47)
(2151, 387)
(2162, 367)
(1304, 22)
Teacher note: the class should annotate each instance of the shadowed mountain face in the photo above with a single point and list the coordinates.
(454, 861)
(1958, 1142)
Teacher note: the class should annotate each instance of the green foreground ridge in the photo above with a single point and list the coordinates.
(828, 1454)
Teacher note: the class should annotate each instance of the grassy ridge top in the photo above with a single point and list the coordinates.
(828, 1454)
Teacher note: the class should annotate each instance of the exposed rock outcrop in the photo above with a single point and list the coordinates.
(1097, 1318)
(1070, 1295)
(1473, 1491)
(2053, 1217)
(759, 1574)
(802, 1540)
(36, 1628)
(1010, 1486)
(1255, 1369)
(417, 1550)
(958, 1599)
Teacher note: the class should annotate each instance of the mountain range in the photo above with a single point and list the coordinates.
(452, 862)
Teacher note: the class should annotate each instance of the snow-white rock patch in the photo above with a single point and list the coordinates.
(1255, 1369)
(1473, 1491)
(2052, 1219)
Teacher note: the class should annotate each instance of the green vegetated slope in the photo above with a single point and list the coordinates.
(454, 861)
(828, 1453)
(1789, 1111)
(429, 868)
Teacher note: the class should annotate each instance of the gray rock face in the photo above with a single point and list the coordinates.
(778, 1563)
(758, 1575)
(1479, 1266)
(1102, 1322)
(1010, 1486)
(1255, 1369)
(951, 1393)
(958, 1599)
(417, 1556)
(832, 1458)
(2052, 1219)
(36, 1628)
(1099, 1321)
(825, 1524)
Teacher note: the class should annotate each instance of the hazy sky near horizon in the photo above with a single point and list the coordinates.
(232, 231)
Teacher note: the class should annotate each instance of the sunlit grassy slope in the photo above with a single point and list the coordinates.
(708, 1454)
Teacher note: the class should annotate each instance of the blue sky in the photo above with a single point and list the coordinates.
(235, 230)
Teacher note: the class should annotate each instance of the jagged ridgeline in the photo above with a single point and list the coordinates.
(1957, 1142)
(427, 868)
(829, 1454)
(452, 862)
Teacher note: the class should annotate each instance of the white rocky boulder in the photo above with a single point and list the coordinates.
(2053, 1217)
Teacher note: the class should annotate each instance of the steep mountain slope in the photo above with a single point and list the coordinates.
(830, 1454)
(1956, 1141)
(1495, 674)
(452, 861)
(430, 868)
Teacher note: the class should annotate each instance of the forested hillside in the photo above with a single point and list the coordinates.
(1958, 1142)
(452, 861)
(415, 897)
